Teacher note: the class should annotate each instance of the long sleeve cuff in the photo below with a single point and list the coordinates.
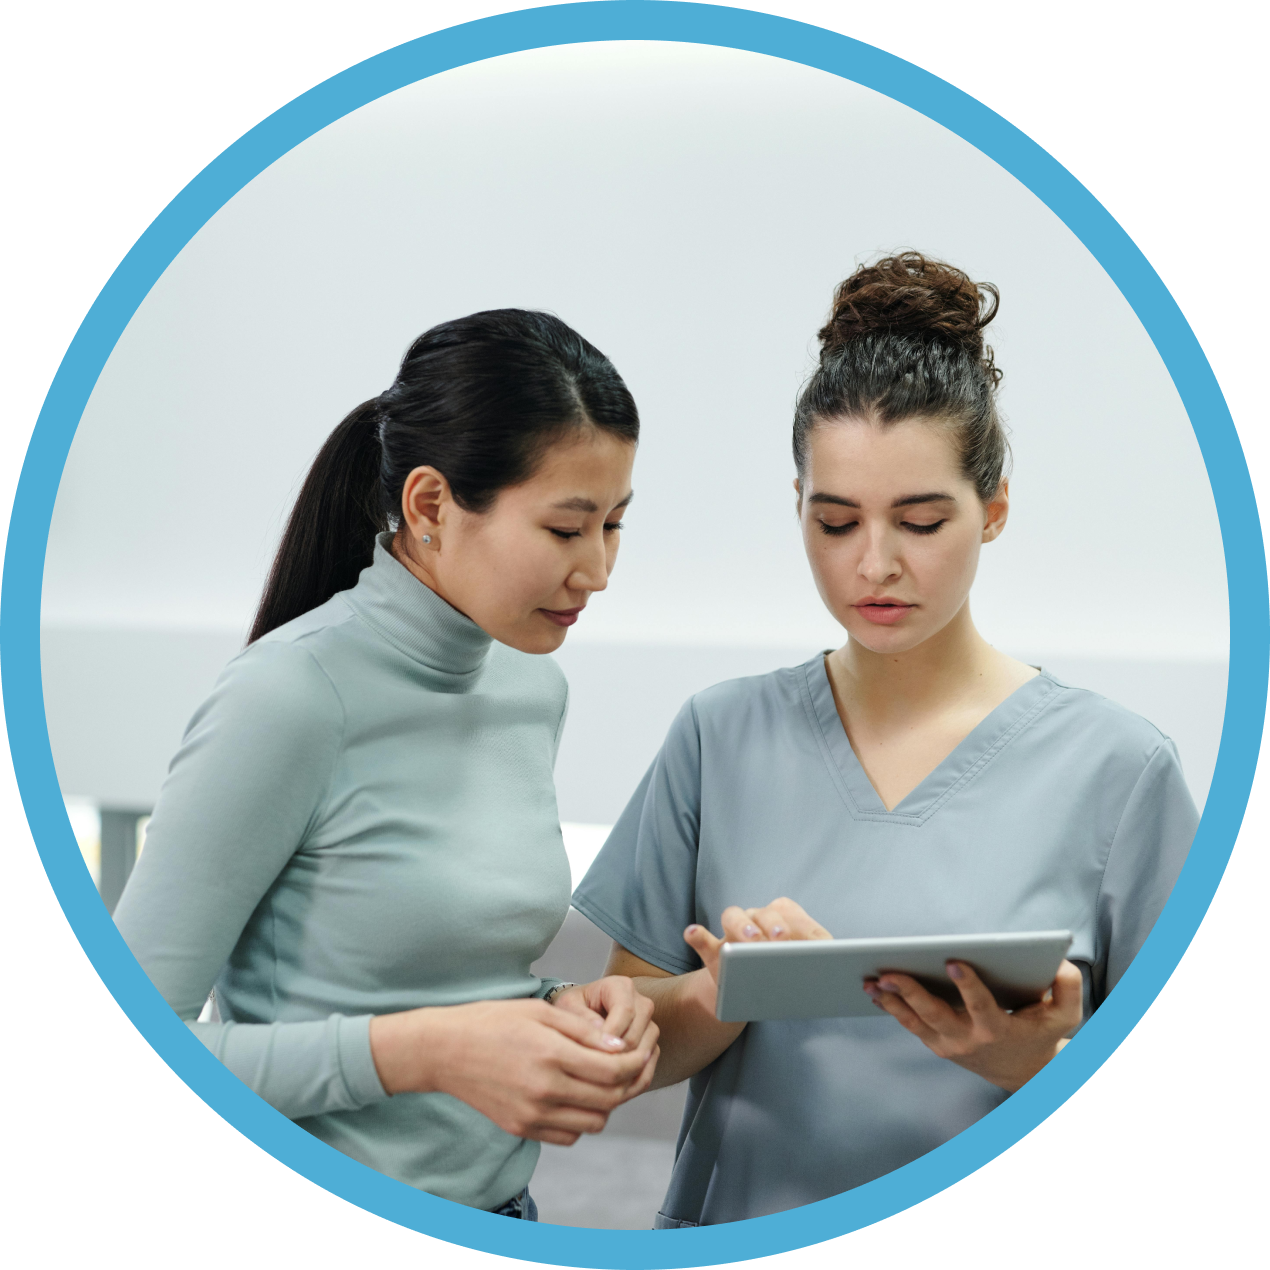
(357, 1062)
(301, 1069)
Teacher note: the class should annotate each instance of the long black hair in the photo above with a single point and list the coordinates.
(905, 340)
(480, 399)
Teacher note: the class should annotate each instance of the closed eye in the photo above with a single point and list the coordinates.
(837, 531)
(610, 527)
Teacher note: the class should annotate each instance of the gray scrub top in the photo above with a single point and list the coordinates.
(1061, 810)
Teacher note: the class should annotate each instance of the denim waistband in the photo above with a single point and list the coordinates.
(521, 1206)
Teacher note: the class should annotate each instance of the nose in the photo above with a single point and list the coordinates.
(591, 570)
(879, 562)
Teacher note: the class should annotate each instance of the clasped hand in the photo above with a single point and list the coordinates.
(548, 1072)
(1005, 1048)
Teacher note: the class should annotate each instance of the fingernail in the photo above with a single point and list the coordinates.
(613, 1042)
(887, 987)
(693, 929)
(777, 931)
(954, 970)
(748, 932)
(872, 990)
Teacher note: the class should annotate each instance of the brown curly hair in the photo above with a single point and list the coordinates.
(905, 340)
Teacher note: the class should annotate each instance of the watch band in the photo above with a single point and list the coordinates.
(551, 996)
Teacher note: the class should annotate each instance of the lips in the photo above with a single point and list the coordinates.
(562, 617)
(883, 612)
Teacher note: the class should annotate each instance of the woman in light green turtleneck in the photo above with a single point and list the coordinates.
(357, 843)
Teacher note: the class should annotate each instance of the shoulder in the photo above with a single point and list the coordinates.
(307, 657)
(278, 681)
(1109, 727)
(751, 701)
(329, 622)
(273, 711)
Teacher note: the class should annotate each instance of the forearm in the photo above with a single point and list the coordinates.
(691, 1037)
(300, 1069)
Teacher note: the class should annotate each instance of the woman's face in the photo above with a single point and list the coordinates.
(892, 528)
(524, 570)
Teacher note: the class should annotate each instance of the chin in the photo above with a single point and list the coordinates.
(535, 641)
(884, 639)
(550, 642)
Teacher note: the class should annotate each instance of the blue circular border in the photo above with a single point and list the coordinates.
(674, 21)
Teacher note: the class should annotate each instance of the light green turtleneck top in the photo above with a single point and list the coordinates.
(361, 819)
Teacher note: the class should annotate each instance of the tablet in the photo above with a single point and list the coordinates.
(823, 978)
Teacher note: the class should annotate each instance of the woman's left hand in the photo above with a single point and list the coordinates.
(613, 1004)
(1006, 1049)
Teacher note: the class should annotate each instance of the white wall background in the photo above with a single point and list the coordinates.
(689, 209)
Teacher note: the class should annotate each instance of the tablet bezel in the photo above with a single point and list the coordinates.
(770, 980)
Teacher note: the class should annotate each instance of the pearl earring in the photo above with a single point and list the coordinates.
(426, 538)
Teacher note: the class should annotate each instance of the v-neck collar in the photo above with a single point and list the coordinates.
(971, 755)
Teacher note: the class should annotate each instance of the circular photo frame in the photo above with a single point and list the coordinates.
(580, 23)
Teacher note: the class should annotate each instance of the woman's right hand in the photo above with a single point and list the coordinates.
(781, 919)
(534, 1070)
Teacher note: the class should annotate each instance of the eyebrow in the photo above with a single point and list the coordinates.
(910, 500)
(913, 499)
(586, 505)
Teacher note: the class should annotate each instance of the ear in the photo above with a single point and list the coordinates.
(996, 512)
(798, 490)
(426, 505)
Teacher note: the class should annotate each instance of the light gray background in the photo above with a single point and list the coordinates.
(689, 210)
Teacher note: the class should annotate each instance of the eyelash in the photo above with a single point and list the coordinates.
(836, 531)
(577, 533)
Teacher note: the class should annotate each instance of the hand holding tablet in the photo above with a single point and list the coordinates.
(1005, 1048)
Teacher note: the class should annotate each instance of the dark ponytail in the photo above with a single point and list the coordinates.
(481, 399)
(905, 340)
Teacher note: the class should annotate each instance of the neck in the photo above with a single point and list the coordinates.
(940, 669)
(405, 553)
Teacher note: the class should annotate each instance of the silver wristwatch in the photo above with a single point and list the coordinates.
(550, 997)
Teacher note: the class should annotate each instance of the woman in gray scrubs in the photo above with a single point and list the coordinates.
(914, 781)
(358, 841)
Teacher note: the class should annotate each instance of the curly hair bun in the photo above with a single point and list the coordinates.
(908, 294)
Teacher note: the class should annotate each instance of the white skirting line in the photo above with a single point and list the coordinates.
(582, 844)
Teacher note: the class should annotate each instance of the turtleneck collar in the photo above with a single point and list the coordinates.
(414, 618)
